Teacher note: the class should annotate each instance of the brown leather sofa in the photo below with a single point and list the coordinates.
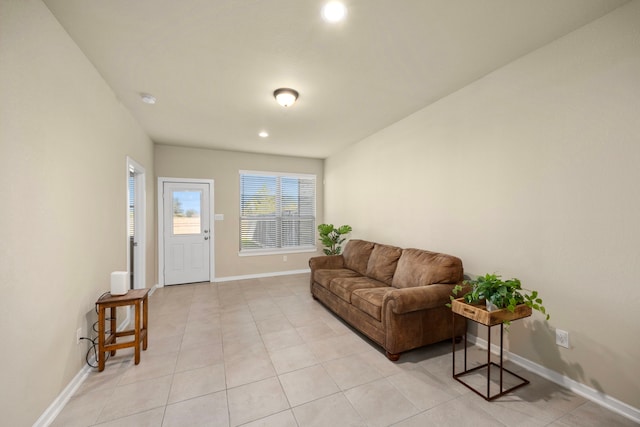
(396, 297)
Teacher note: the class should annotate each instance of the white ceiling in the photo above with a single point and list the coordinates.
(214, 64)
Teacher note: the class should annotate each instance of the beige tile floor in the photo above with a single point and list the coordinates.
(261, 352)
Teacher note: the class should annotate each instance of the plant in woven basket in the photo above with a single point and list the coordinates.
(499, 294)
(332, 237)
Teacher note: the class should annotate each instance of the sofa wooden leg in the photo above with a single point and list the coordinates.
(393, 356)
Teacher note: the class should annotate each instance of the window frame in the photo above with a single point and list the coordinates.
(278, 217)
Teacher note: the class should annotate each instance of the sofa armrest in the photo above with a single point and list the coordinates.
(327, 261)
(417, 298)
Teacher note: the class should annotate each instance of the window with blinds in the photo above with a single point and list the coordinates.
(132, 204)
(277, 212)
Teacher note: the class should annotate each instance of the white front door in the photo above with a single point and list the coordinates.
(187, 235)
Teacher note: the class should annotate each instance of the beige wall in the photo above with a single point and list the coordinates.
(530, 172)
(223, 167)
(64, 139)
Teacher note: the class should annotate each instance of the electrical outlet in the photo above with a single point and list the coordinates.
(562, 338)
(284, 257)
(78, 335)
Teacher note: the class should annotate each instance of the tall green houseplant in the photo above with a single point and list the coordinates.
(331, 237)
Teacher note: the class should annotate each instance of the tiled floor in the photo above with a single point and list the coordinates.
(262, 353)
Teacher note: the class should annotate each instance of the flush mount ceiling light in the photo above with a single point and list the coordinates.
(334, 11)
(285, 97)
(148, 99)
(263, 134)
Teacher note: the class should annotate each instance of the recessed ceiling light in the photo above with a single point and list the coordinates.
(148, 99)
(263, 134)
(334, 11)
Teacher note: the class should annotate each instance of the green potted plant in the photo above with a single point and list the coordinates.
(331, 237)
(498, 294)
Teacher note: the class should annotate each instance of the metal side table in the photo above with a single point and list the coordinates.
(480, 315)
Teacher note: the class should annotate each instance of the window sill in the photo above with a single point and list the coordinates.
(261, 252)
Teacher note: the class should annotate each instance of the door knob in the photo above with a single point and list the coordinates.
(205, 231)
(206, 237)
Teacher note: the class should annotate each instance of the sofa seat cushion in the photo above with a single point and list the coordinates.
(356, 255)
(324, 276)
(344, 286)
(417, 267)
(370, 301)
(382, 262)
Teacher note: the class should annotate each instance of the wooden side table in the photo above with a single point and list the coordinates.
(480, 315)
(135, 297)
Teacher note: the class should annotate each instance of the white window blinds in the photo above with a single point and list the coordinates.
(132, 204)
(277, 211)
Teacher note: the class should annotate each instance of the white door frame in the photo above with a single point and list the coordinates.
(140, 215)
(161, 182)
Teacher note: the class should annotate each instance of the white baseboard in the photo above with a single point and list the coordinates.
(50, 414)
(260, 275)
(56, 407)
(585, 391)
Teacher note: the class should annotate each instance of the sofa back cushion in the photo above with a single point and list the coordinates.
(382, 262)
(356, 255)
(417, 267)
